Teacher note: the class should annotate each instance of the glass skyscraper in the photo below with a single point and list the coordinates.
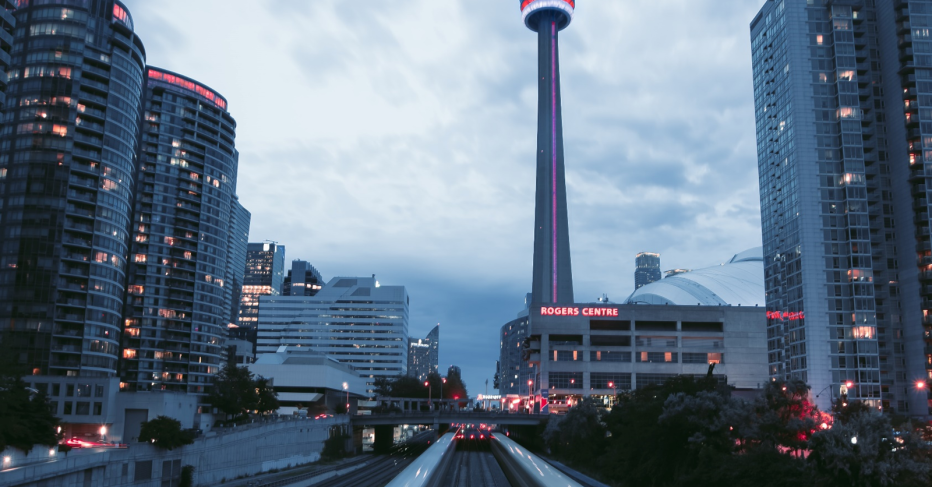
(841, 109)
(646, 269)
(68, 168)
(179, 292)
(264, 276)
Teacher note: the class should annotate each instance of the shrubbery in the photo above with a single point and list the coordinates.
(693, 432)
(165, 432)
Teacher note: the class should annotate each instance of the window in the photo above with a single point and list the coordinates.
(143, 471)
(98, 408)
(599, 356)
(702, 358)
(645, 380)
(83, 408)
(564, 355)
(656, 357)
(68, 406)
(84, 390)
(617, 381)
(566, 380)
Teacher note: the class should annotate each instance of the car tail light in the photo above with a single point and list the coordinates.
(472, 437)
(481, 437)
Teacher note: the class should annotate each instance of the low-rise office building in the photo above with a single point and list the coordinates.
(309, 381)
(594, 350)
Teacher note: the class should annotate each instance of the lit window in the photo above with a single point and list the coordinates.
(140, 258)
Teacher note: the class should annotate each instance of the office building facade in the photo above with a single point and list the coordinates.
(76, 69)
(646, 269)
(514, 370)
(302, 279)
(264, 276)
(354, 320)
(423, 355)
(839, 100)
(179, 287)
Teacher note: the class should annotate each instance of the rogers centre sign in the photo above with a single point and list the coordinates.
(574, 311)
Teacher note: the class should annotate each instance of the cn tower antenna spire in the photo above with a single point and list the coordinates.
(553, 273)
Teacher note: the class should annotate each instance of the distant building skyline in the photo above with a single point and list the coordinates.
(646, 269)
(264, 276)
(302, 279)
(355, 320)
(423, 354)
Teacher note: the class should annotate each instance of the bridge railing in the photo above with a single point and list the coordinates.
(429, 468)
(525, 469)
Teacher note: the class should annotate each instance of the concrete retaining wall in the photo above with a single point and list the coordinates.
(229, 454)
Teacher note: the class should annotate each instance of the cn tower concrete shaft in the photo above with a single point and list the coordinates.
(553, 273)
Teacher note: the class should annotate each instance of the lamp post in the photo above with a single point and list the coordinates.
(430, 405)
(614, 393)
(530, 396)
(443, 380)
(346, 388)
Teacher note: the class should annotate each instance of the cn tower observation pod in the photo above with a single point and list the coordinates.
(530, 9)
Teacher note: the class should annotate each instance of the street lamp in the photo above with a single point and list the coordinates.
(346, 388)
(530, 396)
(614, 393)
(443, 380)
(429, 402)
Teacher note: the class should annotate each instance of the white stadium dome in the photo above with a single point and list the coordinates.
(738, 282)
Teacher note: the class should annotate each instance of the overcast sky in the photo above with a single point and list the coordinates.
(397, 138)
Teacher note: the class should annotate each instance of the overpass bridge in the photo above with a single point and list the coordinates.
(447, 416)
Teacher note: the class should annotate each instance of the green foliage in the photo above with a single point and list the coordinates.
(165, 432)
(876, 456)
(266, 397)
(692, 432)
(187, 476)
(334, 447)
(25, 418)
(236, 392)
(410, 387)
(579, 436)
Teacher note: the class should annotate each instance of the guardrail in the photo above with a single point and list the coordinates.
(428, 469)
(525, 469)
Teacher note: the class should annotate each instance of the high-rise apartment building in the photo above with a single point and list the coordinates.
(236, 264)
(68, 163)
(303, 279)
(646, 269)
(843, 92)
(264, 276)
(184, 239)
(423, 356)
(513, 367)
(354, 320)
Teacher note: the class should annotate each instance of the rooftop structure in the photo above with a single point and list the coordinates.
(738, 282)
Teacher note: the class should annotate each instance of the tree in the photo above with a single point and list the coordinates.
(784, 417)
(165, 432)
(234, 391)
(266, 397)
(865, 451)
(579, 436)
(25, 417)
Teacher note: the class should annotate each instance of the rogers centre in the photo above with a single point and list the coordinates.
(574, 311)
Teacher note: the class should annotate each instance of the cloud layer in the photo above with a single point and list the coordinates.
(397, 138)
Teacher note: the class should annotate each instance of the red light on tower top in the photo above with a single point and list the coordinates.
(529, 8)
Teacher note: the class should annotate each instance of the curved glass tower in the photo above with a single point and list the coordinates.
(553, 273)
(68, 167)
(180, 287)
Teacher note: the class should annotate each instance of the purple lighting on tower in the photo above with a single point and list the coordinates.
(552, 278)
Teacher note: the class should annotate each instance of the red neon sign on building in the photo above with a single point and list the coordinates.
(190, 86)
(575, 311)
(786, 316)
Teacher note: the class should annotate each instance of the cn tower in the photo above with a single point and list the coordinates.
(553, 273)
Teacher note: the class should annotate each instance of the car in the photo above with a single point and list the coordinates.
(472, 434)
(75, 442)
